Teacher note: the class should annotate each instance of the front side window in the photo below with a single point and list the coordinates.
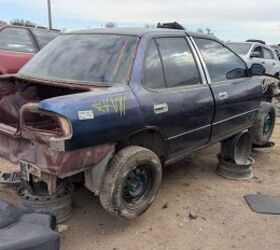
(16, 39)
(153, 72)
(84, 59)
(267, 54)
(222, 64)
(43, 36)
(178, 62)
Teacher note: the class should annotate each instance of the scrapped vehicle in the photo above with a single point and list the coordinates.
(257, 52)
(19, 43)
(118, 104)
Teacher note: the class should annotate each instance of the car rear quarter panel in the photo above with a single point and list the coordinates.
(116, 114)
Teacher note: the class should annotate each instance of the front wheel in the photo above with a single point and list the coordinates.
(264, 125)
(131, 182)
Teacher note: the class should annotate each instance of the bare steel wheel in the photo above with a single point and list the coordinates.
(131, 182)
(137, 186)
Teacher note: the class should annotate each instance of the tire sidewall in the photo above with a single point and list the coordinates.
(114, 188)
(257, 131)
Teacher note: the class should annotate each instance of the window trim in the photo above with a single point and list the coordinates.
(34, 44)
(196, 60)
(208, 77)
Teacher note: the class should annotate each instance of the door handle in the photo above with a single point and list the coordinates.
(223, 95)
(160, 108)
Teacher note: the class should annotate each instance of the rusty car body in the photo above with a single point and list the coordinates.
(83, 98)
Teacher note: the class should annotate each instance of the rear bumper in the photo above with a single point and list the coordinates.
(61, 164)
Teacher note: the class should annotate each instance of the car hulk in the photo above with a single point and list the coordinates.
(118, 104)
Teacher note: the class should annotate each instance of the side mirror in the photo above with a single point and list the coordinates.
(256, 70)
(255, 54)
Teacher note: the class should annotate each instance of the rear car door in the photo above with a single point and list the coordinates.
(258, 48)
(237, 96)
(174, 97)
(16, 48)
(268, 60)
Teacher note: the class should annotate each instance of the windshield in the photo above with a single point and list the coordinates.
(84, 59)
(240, 48)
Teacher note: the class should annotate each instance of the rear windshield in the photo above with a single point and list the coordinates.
(43, 37)
(84, 59)
(240, 48)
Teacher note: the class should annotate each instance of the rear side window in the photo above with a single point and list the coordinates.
(222, 64)
(258, 49)
(153, 73)
(16, 39)
(43, 37)
(178, 62)
(267, 54)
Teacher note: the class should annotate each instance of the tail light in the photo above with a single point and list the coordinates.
(43, 126)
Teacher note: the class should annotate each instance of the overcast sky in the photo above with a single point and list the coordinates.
(235, 20)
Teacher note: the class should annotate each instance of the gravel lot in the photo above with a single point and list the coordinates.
(220, 217)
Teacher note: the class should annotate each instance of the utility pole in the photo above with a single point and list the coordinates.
(49, 14)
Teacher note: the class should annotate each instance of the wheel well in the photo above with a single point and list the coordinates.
(150, 139)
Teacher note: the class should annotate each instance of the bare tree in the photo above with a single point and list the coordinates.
(207, 31)
(111, 25)
(22, 22)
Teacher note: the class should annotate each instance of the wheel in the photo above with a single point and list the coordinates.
(131, 182)
(233, 171)
(59, 204)
(237, 149)
(264, 125)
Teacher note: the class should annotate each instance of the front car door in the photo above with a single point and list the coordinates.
(174, 97)
(237, 96)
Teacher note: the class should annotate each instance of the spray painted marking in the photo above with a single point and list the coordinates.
(86, 115)
(116, 103)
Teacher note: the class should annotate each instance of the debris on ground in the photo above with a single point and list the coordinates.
(264, 204)
(193, 216)
(62, 228)
(25, 231)
(165, 206)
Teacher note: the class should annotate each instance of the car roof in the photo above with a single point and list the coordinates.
(139, 32)
(28, 27)
(264, 45)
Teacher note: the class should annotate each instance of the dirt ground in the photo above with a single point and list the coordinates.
(224, 220)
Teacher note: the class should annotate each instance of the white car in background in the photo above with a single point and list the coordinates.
(257, 52)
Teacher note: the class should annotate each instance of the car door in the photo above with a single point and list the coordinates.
(269, 61)
(257, 48)
(16, 48)
(174, 98)
(237, 96)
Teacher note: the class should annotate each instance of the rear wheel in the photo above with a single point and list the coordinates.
(263, 128)
(131, 182)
